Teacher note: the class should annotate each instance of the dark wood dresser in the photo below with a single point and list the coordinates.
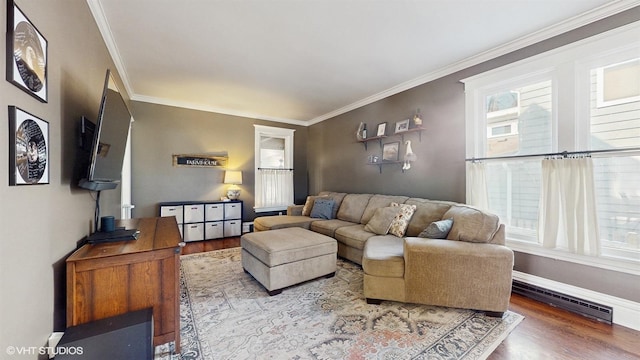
(114, 278)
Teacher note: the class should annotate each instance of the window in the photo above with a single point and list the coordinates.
(504, 103)
(618, 83)
(583, 97)
(614, 123)
(521, 126)
(274, 168)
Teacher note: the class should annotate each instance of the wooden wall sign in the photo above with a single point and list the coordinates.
(200, 160)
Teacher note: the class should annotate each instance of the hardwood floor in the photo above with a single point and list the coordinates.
(545, 333)
(210, 245)
(551, 333)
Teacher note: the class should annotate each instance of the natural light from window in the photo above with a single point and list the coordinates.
(581, 101)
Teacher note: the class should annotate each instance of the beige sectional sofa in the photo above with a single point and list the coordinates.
(470, 268)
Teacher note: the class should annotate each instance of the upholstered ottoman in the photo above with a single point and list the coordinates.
(284, 257)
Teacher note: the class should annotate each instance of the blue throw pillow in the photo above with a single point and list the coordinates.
(322, 209)
(437, 229)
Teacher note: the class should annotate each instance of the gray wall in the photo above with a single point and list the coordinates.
(160, 131)
(41, 224)
(337, 162)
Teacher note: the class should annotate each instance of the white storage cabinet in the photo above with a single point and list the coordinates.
(205, 220)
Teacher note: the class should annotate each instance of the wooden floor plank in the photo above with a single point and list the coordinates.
(551, 333)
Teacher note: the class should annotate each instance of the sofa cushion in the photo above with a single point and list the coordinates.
(379, 201)
(427, 211)
(471, 224)
(322, 208)
(437, 229)
(337, 197)
(328, 227)
(352, 207)
(381, 220)
(308, 205)
(383, 256)
(401, 221)
(264, 223)
(354, 236)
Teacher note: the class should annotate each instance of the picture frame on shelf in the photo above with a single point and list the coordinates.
(382, 129)
(402, 126)
(28, 148)
(391, 151)
(27, 58)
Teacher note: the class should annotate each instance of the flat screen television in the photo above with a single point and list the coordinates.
(109, 140)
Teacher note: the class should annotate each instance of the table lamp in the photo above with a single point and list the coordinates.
(233, 177)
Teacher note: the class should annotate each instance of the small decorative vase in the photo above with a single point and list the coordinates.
(417, 119)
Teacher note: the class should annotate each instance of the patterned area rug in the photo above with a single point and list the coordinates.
(226, 314)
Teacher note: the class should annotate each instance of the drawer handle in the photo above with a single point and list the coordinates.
(193, 226)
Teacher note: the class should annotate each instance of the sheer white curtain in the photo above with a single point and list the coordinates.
(477, 185)
(276, 188)
(568, 217)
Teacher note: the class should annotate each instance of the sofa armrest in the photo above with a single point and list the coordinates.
(295, 210)
(458, 274)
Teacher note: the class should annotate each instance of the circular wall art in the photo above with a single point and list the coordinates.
(29, 148)
(26, 54)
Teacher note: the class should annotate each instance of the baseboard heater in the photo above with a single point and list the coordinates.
(567, 302)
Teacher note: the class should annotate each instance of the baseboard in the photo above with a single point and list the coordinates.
(625, 312)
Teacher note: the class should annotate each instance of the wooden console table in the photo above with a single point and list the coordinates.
(110, 279)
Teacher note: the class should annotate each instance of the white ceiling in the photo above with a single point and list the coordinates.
(303, 61)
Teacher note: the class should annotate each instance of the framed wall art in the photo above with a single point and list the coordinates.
(26, 54)
(28, 148)
(390, 151)
(382, 129)
(402, 126)
(200, 160)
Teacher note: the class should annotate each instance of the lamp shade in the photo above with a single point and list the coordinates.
(233, 177)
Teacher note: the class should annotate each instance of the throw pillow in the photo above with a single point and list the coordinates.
(381, 220)
(401, 221)
(322, 209)
(437, 229)
(308, 205)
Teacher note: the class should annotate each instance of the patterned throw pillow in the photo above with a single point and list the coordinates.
(401, 221)
(381, 220)
(322, 209)
(437, 229)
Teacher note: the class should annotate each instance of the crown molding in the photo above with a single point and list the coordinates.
(200, 107)
(554, 30)
(101, 21)
(533, 38)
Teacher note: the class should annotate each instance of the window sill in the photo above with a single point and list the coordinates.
(270, 209)
(627, 266)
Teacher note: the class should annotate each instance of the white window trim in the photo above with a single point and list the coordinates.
(567, 135)
(620, 265)
(287, 135)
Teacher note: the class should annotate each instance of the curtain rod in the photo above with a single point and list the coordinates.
(281, 169)
(563, 153)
